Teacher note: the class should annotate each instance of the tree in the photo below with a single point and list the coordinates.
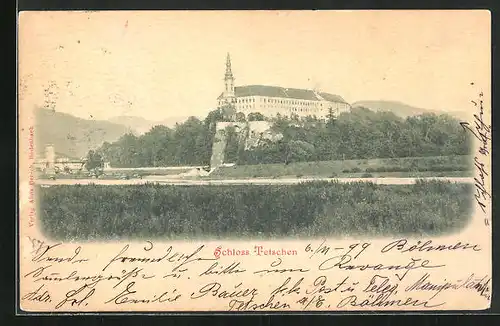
(330, 118)
(229, 111)
(256, 116)
(213, 117)
(94, 163)
(240, 117)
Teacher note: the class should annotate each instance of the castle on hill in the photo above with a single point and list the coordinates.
(273, 100)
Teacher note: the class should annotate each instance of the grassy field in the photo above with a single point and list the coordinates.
(443, 166)
(305, 210)
(434, 166)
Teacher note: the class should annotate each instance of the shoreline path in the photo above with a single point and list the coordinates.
(254, 181)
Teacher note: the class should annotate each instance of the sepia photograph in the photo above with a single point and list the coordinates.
(254, 126)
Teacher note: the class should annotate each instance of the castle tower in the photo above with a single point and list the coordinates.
(228, 80)
(228, 96)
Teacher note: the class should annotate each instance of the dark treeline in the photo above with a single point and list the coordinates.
(359, 134)
(188, 143)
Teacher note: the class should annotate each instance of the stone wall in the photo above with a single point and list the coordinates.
(253, 132)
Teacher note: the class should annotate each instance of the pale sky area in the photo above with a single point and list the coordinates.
(167, 64)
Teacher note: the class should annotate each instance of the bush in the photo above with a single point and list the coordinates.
(367, 175)
(151, 211)
(355, 170)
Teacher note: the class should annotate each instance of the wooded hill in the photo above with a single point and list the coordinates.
(72, 136)
(359, 134)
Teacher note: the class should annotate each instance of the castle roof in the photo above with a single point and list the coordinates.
(282, 92)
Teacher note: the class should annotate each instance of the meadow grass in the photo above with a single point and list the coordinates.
(309, 209)
(458, 165)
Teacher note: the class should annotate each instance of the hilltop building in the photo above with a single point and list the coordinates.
(273, 100)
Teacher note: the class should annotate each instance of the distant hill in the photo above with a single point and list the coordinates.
(140, 125)
(73, 136)
(170, 122)
(400, 109)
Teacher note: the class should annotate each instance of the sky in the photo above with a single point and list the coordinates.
(157, 65)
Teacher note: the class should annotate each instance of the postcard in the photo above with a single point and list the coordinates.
(254, 161)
